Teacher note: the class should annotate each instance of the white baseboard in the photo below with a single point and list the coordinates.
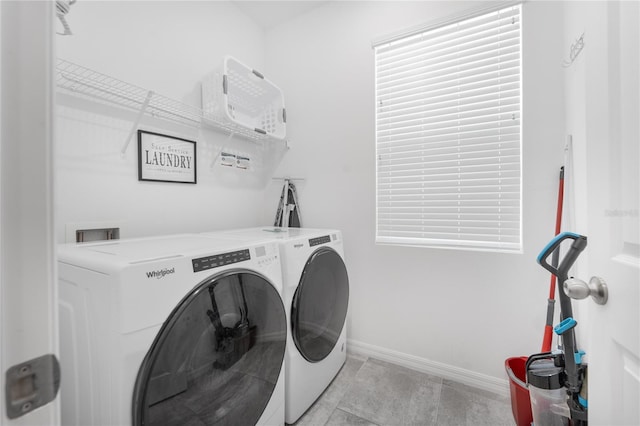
(457, 374)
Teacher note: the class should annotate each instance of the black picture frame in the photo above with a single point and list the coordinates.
(164, 158)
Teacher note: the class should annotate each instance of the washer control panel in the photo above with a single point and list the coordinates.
(267, 255)
(217, 260)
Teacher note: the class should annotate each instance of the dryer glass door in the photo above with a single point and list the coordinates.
(217, 358)
(319, 306)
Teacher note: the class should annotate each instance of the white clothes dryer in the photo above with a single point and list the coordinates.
(171, 330)
(316, 294)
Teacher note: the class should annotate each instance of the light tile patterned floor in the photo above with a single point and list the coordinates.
(371, 392)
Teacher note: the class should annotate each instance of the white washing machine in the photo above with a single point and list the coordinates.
(316, 294)
(172, 330)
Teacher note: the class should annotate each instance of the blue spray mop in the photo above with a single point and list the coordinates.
(571, 371)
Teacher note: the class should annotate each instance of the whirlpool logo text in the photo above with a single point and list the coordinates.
(161, 273)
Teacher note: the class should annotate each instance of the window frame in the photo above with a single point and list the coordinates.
(515, 245)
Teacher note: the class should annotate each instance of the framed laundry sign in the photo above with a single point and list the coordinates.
(165, 158)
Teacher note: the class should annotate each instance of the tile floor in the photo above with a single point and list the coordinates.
(370, 392)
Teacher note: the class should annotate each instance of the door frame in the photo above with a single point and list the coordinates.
(28, 293)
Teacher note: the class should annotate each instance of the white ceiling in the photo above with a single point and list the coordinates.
(269, 14)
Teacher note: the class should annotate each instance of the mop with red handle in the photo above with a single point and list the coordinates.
(516, 366)
(548, 328)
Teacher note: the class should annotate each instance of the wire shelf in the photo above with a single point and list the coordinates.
(89, 84)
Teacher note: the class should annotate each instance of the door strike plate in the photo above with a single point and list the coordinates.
(31, 384)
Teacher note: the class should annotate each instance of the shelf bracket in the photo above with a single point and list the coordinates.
(143, 108)
(215, 159)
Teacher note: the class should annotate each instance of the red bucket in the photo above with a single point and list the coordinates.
(520, 402)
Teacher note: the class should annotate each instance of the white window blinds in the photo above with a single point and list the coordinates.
(448, 137)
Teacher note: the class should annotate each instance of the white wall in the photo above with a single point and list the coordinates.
(469, 310)
(166, 47)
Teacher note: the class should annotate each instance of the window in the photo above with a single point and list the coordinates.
(448, 135)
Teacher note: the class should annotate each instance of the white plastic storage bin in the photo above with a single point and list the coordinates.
(237, 95)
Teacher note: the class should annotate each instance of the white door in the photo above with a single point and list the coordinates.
(603, 88)
(28, 322)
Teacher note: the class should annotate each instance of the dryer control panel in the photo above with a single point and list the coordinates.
(217, 260)
(319, 240)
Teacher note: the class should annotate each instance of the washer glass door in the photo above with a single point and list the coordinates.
(319, 306)
(217, 358)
